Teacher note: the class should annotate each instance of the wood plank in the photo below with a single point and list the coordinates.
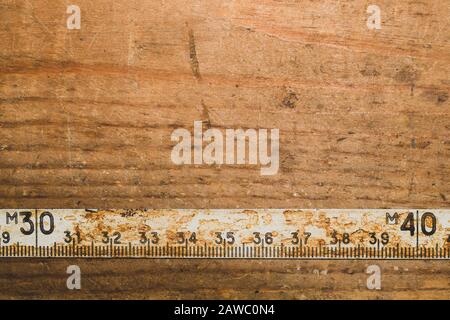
(221, 279)
(86, 117)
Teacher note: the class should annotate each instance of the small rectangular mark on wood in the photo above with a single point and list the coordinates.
(193, 55)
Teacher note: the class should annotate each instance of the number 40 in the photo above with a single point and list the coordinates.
(409, 224)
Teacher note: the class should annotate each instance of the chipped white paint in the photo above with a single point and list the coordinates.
(227, 233)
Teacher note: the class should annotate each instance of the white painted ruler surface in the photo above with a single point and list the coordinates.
(227, 233)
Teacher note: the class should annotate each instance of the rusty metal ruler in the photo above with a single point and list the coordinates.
(227, 233)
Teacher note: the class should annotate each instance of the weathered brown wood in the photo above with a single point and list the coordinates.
(233, 279)
(86, 117)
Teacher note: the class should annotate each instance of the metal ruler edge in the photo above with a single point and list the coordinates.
(312, 234)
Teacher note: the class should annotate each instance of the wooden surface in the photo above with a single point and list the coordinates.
(86, 117)
(219, 279)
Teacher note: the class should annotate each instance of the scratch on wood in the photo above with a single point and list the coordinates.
(193, 55)
(205, 114)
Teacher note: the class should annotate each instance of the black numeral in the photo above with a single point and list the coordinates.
(427, 216)
(6, 237)
(427, 224)
(154, 238)
(181, 238)
(268, 238)
(27, 219)
(408, 224)
(43, 218)
(345, 238)
(51, 221)
(115, 237)
(229, 238)
(384, 238)
(71, 237)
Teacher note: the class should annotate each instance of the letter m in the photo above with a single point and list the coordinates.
(391, 219)
(10, 218)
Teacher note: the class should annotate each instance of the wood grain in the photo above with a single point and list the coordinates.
(220, 279)
(86, 117)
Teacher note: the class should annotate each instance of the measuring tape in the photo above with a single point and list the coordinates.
(226, 233)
